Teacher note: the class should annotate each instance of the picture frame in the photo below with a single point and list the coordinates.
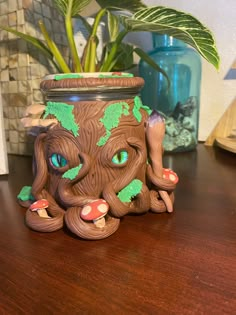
(3, 148)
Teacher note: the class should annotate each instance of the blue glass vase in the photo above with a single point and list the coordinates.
(178, 102)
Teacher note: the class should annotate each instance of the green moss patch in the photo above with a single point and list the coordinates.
(67, 76)
(25, 194)
(64, 114)
(137, 106)
(72, 173)
(111, 119)
(130, 191)
(122, 75)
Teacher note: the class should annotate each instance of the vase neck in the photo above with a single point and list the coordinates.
(160, 40)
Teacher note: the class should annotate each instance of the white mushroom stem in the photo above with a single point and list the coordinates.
(43, 213)
(35, 109)
(100, 222)
(155, 132)
(32, 122)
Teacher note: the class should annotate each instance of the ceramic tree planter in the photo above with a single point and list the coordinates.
(98, 155)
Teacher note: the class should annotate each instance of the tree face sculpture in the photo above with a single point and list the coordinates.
(97, 150)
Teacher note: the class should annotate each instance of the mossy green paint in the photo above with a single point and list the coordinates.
(72, 173)
(137, 106)
(122, 75)
(64, 114)
(111, 119)
(131, 190)
(25, 194)
(58, 77)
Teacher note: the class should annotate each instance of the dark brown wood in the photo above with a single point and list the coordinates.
(180, 263)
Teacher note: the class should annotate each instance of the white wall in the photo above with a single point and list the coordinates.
(216, 93)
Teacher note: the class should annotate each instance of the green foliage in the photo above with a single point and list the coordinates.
(33, 41)
(177, 24)
(123, 59)
(122, 5)
(157, 19)
(75, 7)
(113, 24)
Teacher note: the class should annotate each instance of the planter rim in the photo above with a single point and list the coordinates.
(91, 81)
(88, 75)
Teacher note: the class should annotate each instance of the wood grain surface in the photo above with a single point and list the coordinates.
(179, 263)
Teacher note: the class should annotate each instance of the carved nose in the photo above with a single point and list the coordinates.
(92, 183)
(95, 183)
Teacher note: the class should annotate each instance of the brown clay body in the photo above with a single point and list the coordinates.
(99, 176)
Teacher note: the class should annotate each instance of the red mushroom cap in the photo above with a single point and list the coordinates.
(170, 175)
(94, 210)
(39, 204)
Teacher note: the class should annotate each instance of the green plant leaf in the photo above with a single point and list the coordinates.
(113, 25)
(32, 40)
(123, 5)
(143, 55)
(178, 24)
(76, 6)
(90, 58)
(111, 57)
(111, 64)
(54, 49)
(124, 57)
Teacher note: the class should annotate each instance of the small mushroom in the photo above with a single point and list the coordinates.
(95, 211)
(171, 175)
(40, 206)
(35, 109)
(32, 122)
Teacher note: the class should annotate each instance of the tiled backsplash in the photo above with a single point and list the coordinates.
(22, 66)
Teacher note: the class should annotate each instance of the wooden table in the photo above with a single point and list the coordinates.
(180, 263)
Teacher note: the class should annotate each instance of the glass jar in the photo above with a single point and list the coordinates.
(179, 100)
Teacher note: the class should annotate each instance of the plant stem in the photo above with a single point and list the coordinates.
(90, 56)
(108, 63)
(97, 21)
(93, 48)
(70, 37)
(54, 49)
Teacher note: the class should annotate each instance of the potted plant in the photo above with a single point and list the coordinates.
(99, 153)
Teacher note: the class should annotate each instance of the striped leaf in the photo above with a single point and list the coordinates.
(178, 24)
(122, 5)
(75, 6)
(113, 25)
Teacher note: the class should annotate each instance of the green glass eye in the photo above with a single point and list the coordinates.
(58, 160)
(120, 157)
